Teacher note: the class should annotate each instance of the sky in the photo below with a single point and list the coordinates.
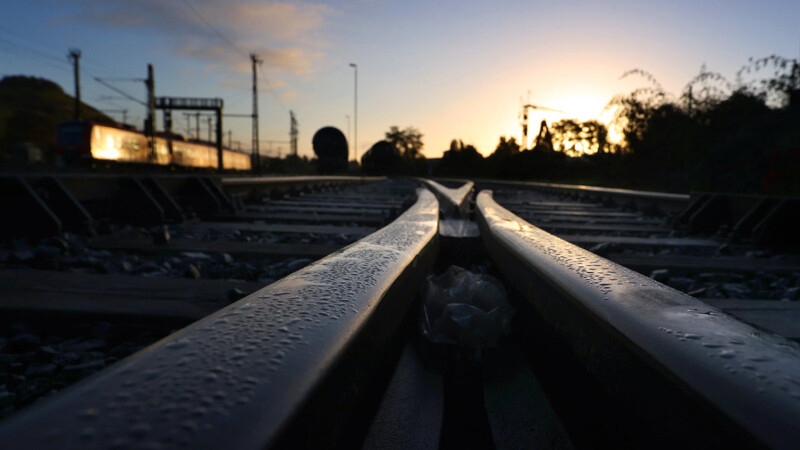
(453, 69)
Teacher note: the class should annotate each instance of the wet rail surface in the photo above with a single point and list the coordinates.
(77, 302)
(716, 262)
(329, 356)
(621, 321)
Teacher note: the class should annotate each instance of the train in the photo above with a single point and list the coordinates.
(83, 141)
(330, 146)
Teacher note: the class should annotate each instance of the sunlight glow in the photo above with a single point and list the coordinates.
(108, 151)
(581, 107)
(615, 135)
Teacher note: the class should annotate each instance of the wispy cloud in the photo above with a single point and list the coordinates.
(221, 33)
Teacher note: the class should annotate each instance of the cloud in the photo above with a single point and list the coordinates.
(221, 33)
(288, 95)
(278, 61)
(276, 20)
(151, 15)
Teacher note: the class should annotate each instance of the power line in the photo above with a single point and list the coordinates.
(38, 60)
(266, 83)
(60, 63)
(41, 44)
(232, 45)
(235, 99)
(108, 100)
(216, 31)
(34, 51)
(119, 91)
(53, 61)
(138, 80)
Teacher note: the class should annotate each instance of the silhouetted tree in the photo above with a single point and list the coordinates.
(544, 140)
(461, 160)
(566, 136)
(408, 142)
(706, 90)
(575, 138)
(499, 162)
(783, 89)
(504, 147)
(716, 135)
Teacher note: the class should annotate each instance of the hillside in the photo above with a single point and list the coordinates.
(30, 110)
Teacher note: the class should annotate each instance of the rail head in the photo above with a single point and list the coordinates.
(452, 202)
(667, 202)
(239, 377)
(606, 190)
(278, 181)
(750, 376)
(248, 185)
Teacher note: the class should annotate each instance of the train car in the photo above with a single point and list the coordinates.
(163, 156)
(193, 154)
(83, 141)
(330, 146)
(233, 160)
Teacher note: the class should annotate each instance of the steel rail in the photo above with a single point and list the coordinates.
(666, 202)
(45, 204)
(240, 184)
(281, 365)
(232, 181)
(743, 384)
(452, 202)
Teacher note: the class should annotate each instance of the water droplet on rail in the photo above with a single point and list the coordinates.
(139, 430)
(760, 358)
(89, 413)
(87, 433)
(177, 344)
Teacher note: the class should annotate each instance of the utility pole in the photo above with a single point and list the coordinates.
(209, 128)
(150, 122)
(230, 136)
(293, 133)
(355, 111)
(347, 116)
(197, 125)
(256, 154)
(75, 55)
(188, 124)
(123, 111)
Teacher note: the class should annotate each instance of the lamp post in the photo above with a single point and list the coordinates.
(347, 116)
(355, 110)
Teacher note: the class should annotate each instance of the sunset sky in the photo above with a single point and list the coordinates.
(452, 69)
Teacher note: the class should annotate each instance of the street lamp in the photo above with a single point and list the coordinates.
(347, 116)
(355, 110)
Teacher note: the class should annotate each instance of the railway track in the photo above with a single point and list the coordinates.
(330, 355)
(68, 299)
